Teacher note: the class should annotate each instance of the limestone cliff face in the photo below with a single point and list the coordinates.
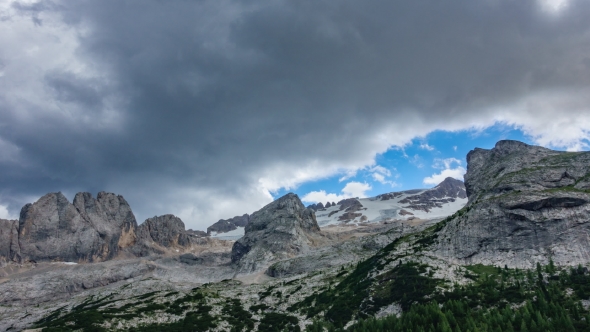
(111, 216)
(53, 229)
(282, 229)
(8, 239)
(87, 230)
(527, 204)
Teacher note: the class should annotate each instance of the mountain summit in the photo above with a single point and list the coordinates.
(281, 229)
(527, 204)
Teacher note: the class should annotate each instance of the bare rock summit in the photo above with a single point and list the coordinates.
(280, 230)
(527, 204)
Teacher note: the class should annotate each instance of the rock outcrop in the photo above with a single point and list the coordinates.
(282, 229)
(228, 225)
(87, 230)
(53, 229)
(8, 239)
(167, 231)
(111, 216)
(527, 204)
(158, 234)
(445, 192)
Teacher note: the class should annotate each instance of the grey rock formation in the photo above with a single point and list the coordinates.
(111, 216)
(53, 229)
(445, 192)
(282, 229)
(527, 204)
(8, 239)
(348, 216)
(158, 234)
(167, 231)
(350, 205)
(228, 225)
(89, 230)
(63, 281)
(206, 259)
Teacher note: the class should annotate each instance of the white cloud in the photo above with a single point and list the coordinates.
(356, 189)
(425, 146)
(445, 163)
(381, 170)
(456, 173)
(321, 196)
(416, 160)
(4, 214)
(378, 177)
(447, 170)
(553, 6)
(554, 119)
(455, 148)
(352, 189)
(380, 174)
(349, 174)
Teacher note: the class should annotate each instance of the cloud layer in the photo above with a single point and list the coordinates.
(204, 108)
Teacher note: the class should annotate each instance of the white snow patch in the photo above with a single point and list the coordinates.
(377, 210)
(231, 235)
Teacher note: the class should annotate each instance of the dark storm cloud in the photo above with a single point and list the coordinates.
(208, 94)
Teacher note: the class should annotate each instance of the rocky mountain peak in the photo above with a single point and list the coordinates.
(450, 187)
(227, 225)
(281, 229)
(87, 230)
(167, 231)
(526, 204)
(53, 229)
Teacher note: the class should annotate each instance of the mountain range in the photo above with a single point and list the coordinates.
(507, 250)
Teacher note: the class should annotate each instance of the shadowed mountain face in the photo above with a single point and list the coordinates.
(8, 239)
(282, 229)
(526, 204)
(87, 230)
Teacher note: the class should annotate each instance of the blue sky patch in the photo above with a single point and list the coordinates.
(421, 164)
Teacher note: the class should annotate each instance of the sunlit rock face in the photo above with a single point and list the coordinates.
(282, 229)
(527, 204)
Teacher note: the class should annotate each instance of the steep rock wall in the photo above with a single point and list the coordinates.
(527, 204)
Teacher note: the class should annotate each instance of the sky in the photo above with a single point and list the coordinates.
(213, 108)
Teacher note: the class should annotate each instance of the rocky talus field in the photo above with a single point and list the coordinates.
(513, 257)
